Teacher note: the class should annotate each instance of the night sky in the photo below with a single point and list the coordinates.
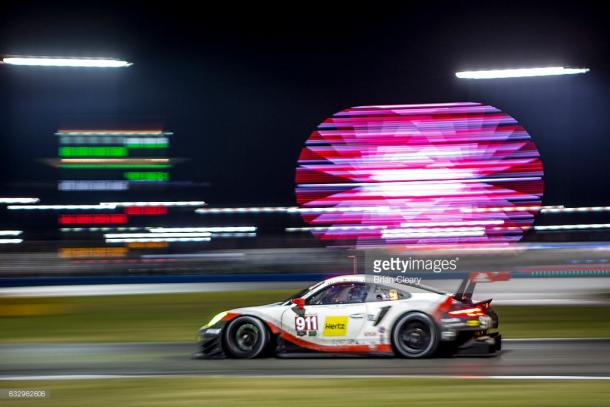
(242, 87)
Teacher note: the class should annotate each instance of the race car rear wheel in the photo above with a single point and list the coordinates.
(415, 335)
(246, 337)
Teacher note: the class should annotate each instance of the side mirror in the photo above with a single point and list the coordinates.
(299, 302)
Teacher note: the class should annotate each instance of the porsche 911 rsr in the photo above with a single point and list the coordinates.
(360, 315)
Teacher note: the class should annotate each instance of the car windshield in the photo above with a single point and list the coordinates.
(340, 293)
(302, 292)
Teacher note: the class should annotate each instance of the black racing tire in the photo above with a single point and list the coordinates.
(415, 335)
(246, 337)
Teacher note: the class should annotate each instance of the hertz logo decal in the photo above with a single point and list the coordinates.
(335, 326)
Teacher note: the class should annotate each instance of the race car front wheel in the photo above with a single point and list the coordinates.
(246, 337)
(415, 335)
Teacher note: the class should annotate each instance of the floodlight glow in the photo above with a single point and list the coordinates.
(102, 206)
(173, 203)
(290, 209)
(266, 209)
(101, 229)
(562, 209)
(155, 235)
(520, 72)
(387, 209)
(18, 200)
(11, 241)
(574, 227)
(158, 239)
(205, 229)
(10, 232)
(231, 234)
(67, 62)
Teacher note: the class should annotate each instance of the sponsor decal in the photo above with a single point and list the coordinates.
(370, 333)
(381, 329)
(306, 323)
(335, 326)
(340, 342)
(473, 322)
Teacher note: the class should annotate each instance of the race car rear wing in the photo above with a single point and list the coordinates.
(466, 288)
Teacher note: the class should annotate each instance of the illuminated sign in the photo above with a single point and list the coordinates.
(92, 219)
(146, 176)
(147, 245)
(92, 185)
(146, 210)
(65, 151)
(87, 252)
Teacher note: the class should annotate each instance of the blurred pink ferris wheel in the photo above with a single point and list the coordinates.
(421, 174)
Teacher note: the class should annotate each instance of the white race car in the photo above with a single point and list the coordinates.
(360, 315)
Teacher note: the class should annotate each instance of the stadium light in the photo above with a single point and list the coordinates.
(520, 72)
(11, 241)
(66, 62)
(5, 200)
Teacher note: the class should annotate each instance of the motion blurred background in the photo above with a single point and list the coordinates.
(213, 115)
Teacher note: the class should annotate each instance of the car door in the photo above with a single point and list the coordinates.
(333, 316)
(380, 300)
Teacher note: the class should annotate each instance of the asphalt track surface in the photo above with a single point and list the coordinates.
(545, 357)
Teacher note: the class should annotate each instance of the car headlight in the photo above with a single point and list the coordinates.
(215, 320)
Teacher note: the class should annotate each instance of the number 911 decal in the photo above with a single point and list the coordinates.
(306, 325)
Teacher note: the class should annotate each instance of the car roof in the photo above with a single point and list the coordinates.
(346, 278)
(362, 278)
